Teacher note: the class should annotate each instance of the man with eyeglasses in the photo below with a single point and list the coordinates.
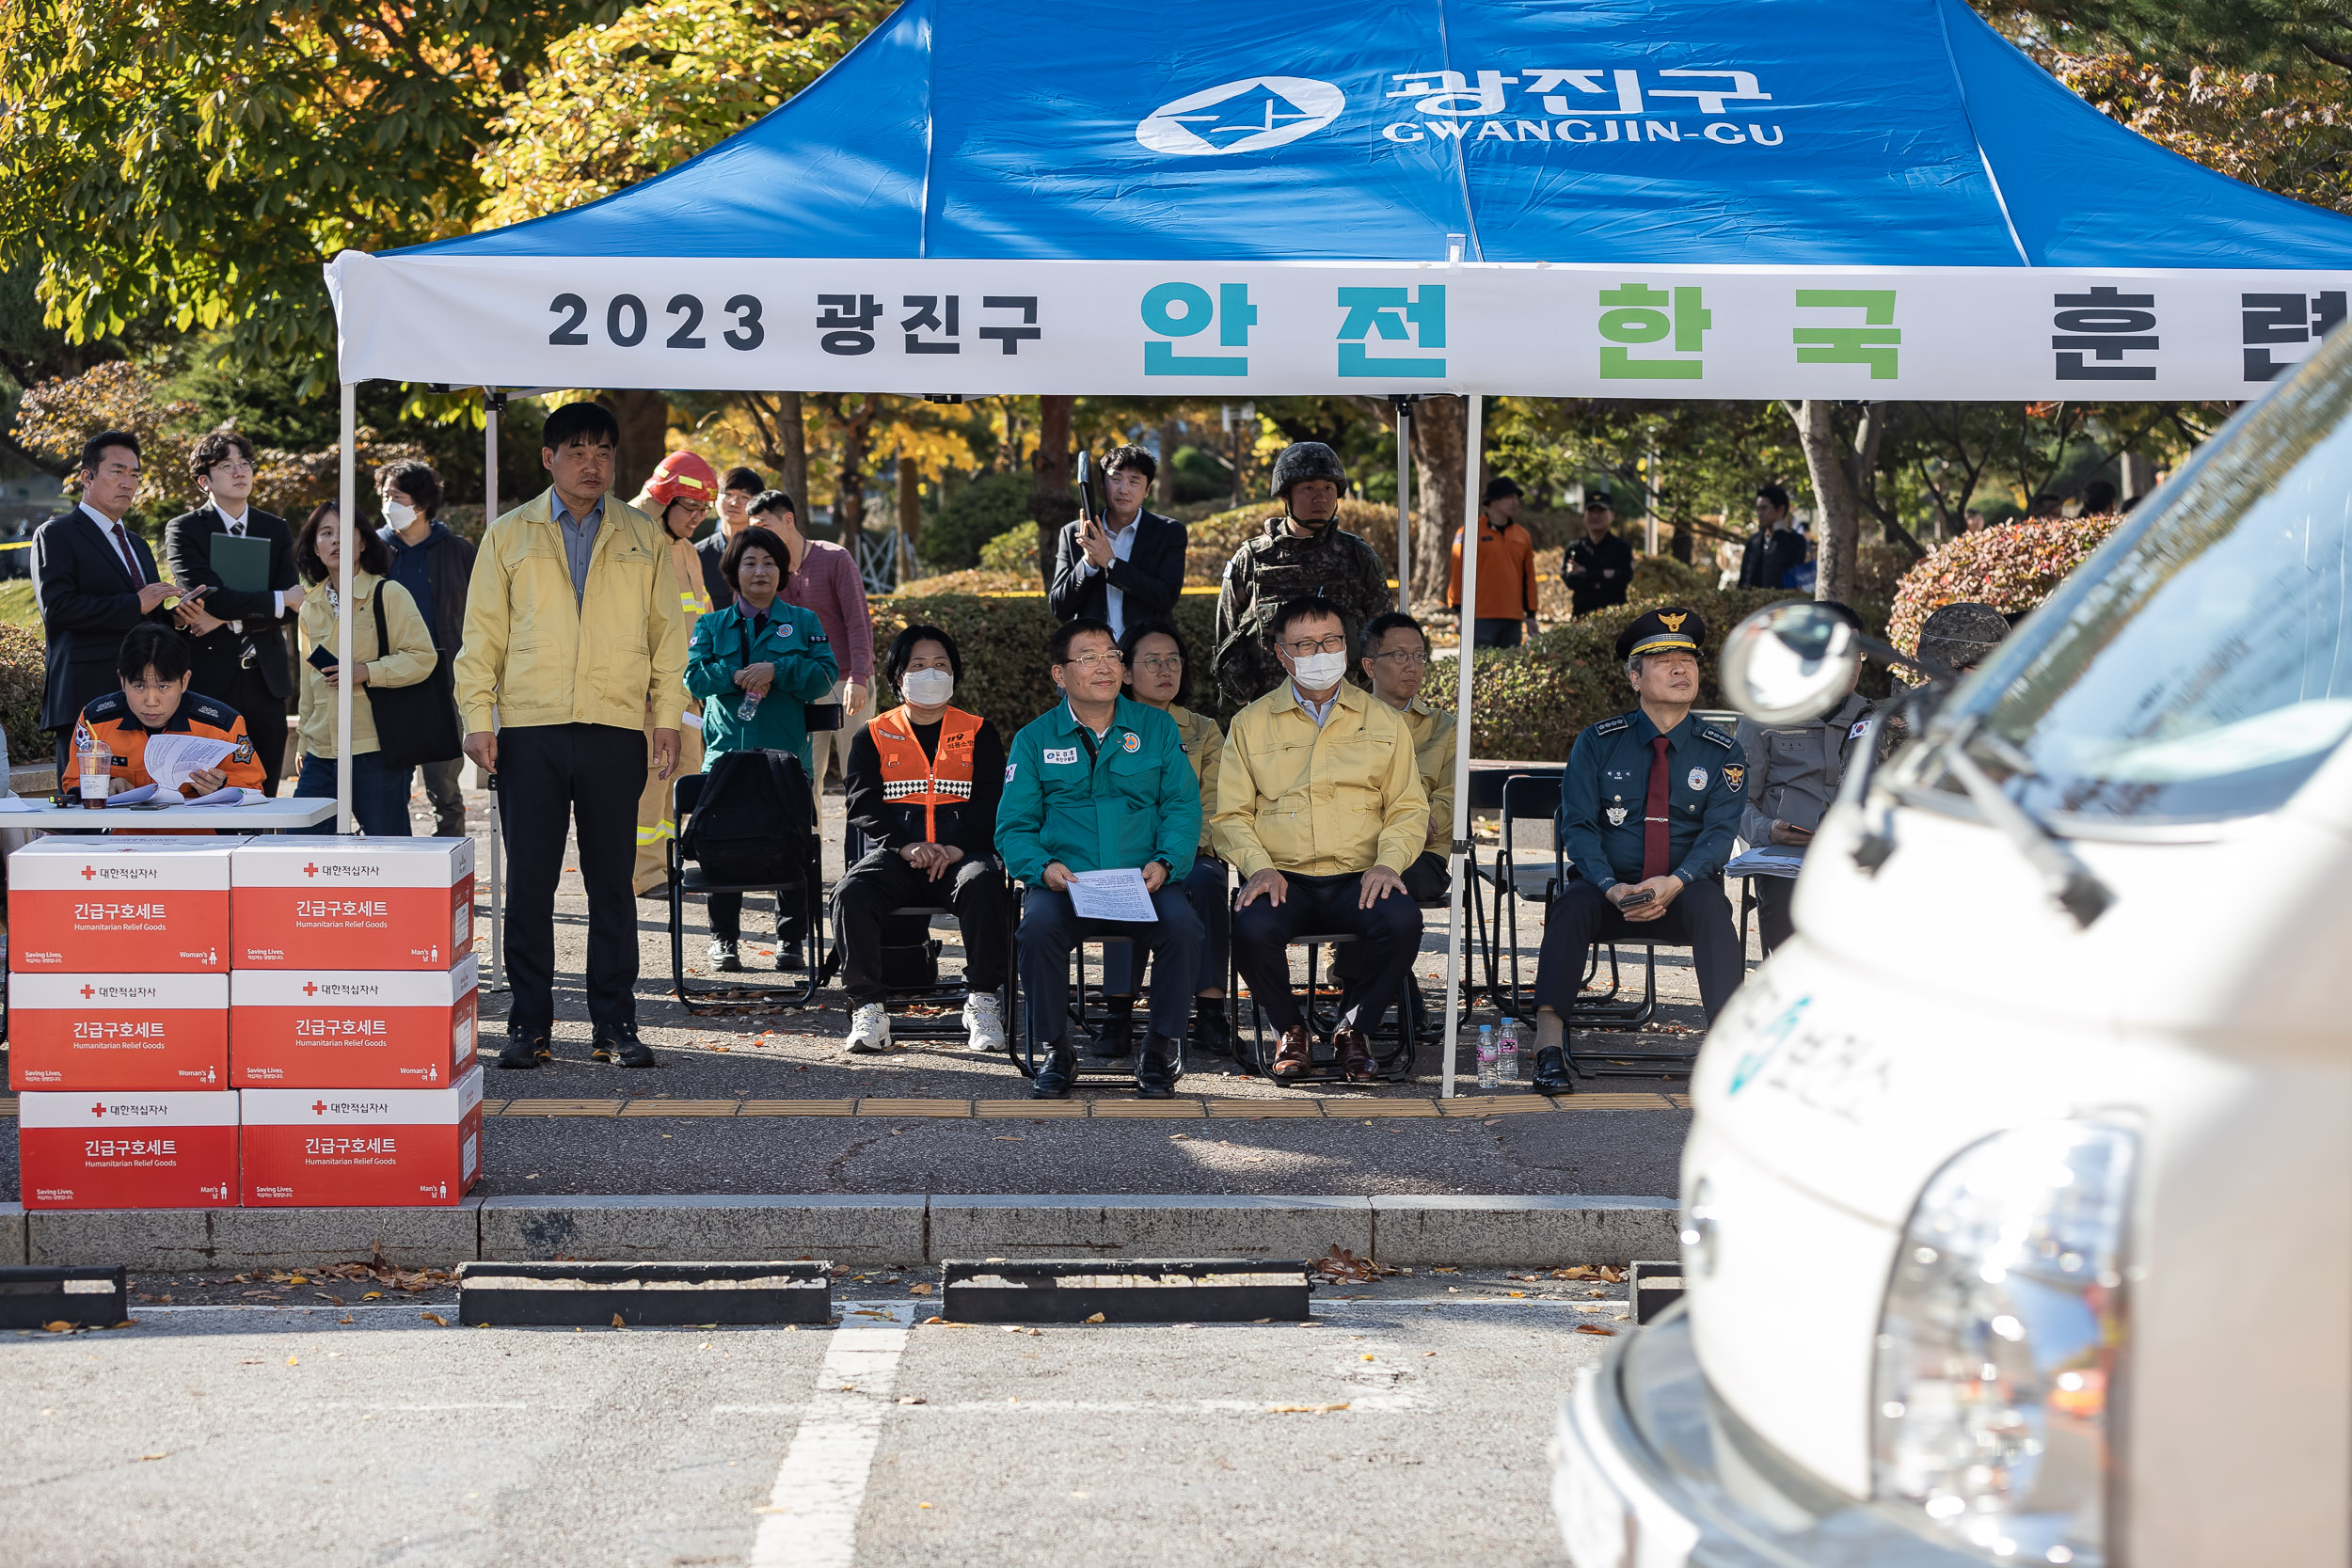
(236, 636)
(1320, 805)
(1099, 783)
(1396, 661)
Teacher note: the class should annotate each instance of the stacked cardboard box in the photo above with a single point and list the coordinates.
(271, 1020)
(119, 1034)
(351, 1020)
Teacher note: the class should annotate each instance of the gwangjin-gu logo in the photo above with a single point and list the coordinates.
(1242, 117)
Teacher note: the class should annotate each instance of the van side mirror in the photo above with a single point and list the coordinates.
(1793, 663)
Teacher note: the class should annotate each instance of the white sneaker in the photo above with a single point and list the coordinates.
(984, 1022)
(869, 1030)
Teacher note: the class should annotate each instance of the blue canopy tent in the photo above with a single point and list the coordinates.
(1788, 198)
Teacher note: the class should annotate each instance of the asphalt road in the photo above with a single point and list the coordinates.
(1407, 1426)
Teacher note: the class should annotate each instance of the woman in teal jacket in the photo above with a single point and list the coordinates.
(754, 664)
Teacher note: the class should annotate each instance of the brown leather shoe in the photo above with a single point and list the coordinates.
(1296, 1054)
(1355, 1056)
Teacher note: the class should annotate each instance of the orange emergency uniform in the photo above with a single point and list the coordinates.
(123, 740)
(912, 781)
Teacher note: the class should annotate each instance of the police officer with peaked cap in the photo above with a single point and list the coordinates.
(1303, 553)
(1649, 803)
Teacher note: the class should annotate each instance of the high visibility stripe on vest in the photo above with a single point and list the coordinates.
(910, 778)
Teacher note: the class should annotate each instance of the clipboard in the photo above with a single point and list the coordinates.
(242, 564)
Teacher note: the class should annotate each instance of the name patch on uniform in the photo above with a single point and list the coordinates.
(1133, 743)
(1697, 779)
(1061, 754)
(1734, 776)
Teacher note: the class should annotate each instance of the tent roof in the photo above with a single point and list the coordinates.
(1863, 132)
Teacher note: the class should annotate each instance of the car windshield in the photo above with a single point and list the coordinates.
(2200, 667)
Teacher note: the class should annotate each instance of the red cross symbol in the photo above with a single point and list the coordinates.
(98, 1110)
(310, 988)
(89, 991)
(310, 870)
(89, 872)
(320, 1107)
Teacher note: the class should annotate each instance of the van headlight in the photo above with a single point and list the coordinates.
(2000, 1344)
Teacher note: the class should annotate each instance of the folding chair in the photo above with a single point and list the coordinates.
(1027, 1054)
(692, 881)
(1392, 1038)
(939, 994)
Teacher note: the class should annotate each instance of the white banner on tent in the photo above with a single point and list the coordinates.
(1199, 329)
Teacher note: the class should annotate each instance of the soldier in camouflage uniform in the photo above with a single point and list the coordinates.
(1302, 553)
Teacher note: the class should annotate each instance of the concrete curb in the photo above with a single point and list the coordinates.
(904, 1228)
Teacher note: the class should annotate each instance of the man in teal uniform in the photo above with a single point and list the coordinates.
(1099, 783)
(1649, 803)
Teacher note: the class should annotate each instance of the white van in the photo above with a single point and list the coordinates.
(2017, 1211)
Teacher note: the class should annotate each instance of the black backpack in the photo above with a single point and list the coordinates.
(754, 824)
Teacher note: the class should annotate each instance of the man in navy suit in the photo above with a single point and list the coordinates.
(1131, 568)
(94, 580)
(236, 639)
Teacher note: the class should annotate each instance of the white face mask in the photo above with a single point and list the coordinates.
(398, 514)
(928, 687)
(1317, 671)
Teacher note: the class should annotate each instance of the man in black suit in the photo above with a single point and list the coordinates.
(1775, 548)
(237, 640)
(94, 580)
(737, 492)
(1131, 570)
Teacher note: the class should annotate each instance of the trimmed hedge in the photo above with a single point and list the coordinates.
(23, 676)
(2012, 568)
(1531, 701)
(1002, 643)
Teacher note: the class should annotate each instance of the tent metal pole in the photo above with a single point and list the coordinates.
(1403, 504)
(1458, 860)
(346, 497)
(492, 402)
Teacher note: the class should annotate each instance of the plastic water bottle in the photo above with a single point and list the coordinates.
(749, 706)
(1485, 1055)
(1507, 1053)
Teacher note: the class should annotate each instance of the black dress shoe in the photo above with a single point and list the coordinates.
(1211, 1030)
(789, 956)
(525, 1052)
(1156, 1069)
(1053, 1078)
(621, 1047)
(1553, 1075)
(1115, 1036)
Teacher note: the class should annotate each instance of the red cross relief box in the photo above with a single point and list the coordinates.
(145, 1149)
(362, 1147)
(319, 903)
(120, 904)
(351, 1029)
(119, 1032)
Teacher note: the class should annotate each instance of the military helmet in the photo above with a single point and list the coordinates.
(1305, 460)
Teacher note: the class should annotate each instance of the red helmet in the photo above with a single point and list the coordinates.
(682, 474)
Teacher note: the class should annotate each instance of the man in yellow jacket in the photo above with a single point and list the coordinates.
(1319, 804)
(573, 640)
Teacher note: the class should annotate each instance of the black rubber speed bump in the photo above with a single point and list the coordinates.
(1125, 1291)
(87, 1296)
(1652, 1288)
(642, 1296)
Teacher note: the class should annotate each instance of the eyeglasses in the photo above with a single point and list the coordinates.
(1405, 657)
(1095, 661)
(1335, 644)
(1159, 662)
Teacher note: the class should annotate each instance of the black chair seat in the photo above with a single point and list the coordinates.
(693, 879)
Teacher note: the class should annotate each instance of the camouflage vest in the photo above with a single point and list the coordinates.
(1275, 567)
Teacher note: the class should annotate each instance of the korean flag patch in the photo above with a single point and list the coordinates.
(1010, 769)
(1697, 779)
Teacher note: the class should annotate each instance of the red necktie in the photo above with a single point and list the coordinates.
(1654, 813)
(130, 562)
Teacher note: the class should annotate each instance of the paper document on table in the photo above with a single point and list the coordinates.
(1111, 896)
(131, 797)
(1768, 859)
(172, 760)
(227, 794)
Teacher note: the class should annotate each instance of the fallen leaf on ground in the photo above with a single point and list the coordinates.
(1593, 1328)
(145, 1457)
(1577, 1271)
(1303, 1409)
(910, 1399)
(918, 1290)
(60, 1327)
(1010, 1137)
(1096, 1319)
(1615, 1277)
(436, 1318)
(617, 1321)
(294, 1361)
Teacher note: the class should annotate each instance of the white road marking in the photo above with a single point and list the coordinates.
(821, 1484)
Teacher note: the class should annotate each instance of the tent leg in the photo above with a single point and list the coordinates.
(492, 402)
(346, 497)
(1404, 505)
(1460, 859)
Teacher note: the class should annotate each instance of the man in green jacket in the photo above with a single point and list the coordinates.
(1100, 784)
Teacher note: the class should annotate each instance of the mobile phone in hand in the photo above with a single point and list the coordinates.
(1635, 900)
(323, 659)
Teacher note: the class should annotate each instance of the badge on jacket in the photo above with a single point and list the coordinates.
(1734, 776)
(1132, 742)
(1617, 815)
(1697, 779)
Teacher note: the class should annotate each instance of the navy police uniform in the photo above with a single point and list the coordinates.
(1607, 825)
